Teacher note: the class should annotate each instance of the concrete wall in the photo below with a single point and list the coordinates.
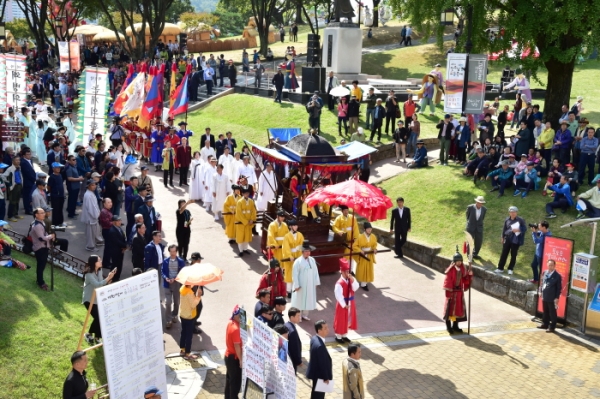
(519, 293)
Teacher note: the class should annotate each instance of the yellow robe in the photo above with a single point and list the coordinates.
(245, 212)
(365, 272)
(229, 207)
(292, 247)
(345, 224)
(275, 236)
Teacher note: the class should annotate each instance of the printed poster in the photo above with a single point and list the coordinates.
(455, 83)
(266, 361)
(131, 322)
(476, 84)
(16, 83)
(561, 251)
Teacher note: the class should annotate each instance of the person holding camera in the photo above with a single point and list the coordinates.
(538, 232)
(313, 107)
(41, 245)
(550, 292)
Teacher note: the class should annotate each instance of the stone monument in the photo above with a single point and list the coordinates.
(342, 42)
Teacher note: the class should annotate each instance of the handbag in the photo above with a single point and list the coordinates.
(398, 114)
(27, 242)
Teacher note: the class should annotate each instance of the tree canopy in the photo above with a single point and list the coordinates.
(557, 28)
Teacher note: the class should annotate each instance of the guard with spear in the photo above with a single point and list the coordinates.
(456, 282)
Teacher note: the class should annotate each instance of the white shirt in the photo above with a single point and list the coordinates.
(160, 254)
(400, 210)
(477, 213)
(339, 292)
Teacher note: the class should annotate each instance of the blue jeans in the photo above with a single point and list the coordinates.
(586, 160)
(535, 268)
(370, 116)
(411, 146)
(278, 90)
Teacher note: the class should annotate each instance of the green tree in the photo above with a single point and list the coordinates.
(262, 10)
(19, 28)
(559, 29)
(241, 7)
(179, 7)
(230, 23)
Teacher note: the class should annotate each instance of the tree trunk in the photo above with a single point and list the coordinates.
(299, 20)
(263, 34)
(376, 13)
(558, 89)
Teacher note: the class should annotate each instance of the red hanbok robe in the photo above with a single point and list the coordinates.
(345, 318)
(274, 280)
(456, 282)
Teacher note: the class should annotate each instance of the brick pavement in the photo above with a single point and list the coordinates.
(515, 363)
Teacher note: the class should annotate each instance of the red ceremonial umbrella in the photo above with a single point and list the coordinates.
(365, 199)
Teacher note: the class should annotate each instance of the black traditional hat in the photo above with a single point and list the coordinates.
(457, 256)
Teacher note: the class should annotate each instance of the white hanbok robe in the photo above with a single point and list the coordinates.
(248, 171)
(205, 152)
(267, 189)
(227, 162)
(222, 188)
(68, 124)
(306, 276)
(235, 170)
(40, 148)
(196, 187)
(207, 178)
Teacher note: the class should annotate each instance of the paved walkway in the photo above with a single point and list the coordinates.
(518, 361)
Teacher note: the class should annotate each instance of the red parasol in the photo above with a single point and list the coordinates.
(365, 199)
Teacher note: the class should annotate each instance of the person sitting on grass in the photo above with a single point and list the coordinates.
(527, 180)
(420, 159)
(522, 165)
(562, 199)
(572, 177)
(501, 178)
(494, 158)
(554, 173)
(588, 203)
(473, 151)
(540, 164)
(478, 168)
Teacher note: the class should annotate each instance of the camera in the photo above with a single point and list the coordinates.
(58, 228)
(533, 225)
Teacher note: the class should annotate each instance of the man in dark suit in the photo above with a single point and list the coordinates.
(154, 253)
(137, 246)
(475, 216)
(229, 142)
(378, 116)
(445, 132)
(29, 177)
(294, 343)
(116, 245)
(401, 217)
(550, 290)
(319, 365)
(208, 136)
(149, 214)
(220, 146)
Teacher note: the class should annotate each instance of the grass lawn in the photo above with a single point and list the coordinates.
(248, 117)
(416, 61)
(38, 333)
(438, 197)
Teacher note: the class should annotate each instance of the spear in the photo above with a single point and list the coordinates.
(470, 246)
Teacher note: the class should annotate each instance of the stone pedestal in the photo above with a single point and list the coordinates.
(342, 48)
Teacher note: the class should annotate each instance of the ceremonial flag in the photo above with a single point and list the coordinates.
(130, 75)
(180, 99)
(161, 90)
(151, 104)
(173, 87)
(133, 106)
(126, 92)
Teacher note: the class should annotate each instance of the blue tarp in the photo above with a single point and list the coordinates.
(284, 134)
(355, 150)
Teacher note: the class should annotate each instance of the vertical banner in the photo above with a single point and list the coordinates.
(94, 105)
(476, 84)
(455, 83)
(16, 83)
(131, 322)
(3, 107)
(266, 365)
(63, 54)
(560, 250)
(74, 55)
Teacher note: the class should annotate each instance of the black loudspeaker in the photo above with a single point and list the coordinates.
(313, 79)
(313, 49)
(182, 41)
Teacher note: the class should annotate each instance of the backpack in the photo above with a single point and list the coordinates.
(27, 241)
